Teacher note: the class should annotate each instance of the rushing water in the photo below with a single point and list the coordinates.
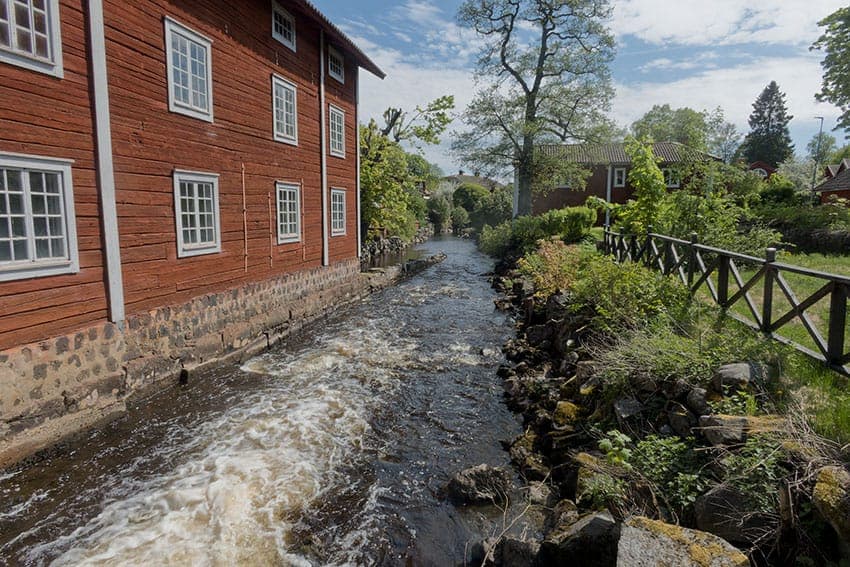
(330, 450)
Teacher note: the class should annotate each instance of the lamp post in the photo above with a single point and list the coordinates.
(817, 152)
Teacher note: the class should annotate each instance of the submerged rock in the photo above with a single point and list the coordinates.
(481, 484)
(650, 543)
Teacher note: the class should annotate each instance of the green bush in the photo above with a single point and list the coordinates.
(570, 224)
(496, 240)
(672, 465)
(470, 196)
(439, 212)
(552, 267)
(460, 219)
(495, 209)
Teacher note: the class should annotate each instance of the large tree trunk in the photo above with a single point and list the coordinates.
(525, 174)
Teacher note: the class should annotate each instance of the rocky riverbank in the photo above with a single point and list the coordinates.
(392, 246)
(663, 472)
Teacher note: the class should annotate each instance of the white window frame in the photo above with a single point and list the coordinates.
(172, 27)
(278, 9)
(671, 178)
(52, 65)
(278, 81)
(70, 264)
(332, 52)
(621, 182)
(188, 250)
(335, 230)
(336, 150)
(288, 237)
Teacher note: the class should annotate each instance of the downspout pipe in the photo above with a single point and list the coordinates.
(105, 166)
(357, 144)
(324, 157)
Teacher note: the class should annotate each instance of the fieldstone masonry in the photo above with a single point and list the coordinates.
(57, 388)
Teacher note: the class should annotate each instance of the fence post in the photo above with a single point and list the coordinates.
(723, 280)
(692, 259)
(668, 257)
(647, 248)
(633, 246)
(767, 303)
(837, 324)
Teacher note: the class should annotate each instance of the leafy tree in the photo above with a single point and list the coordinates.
(470, 196)
(545, 68)
(837, 155)
(440, 212)
(423, 124)
(821, 146)
(835, 42)
(460, 219)
(723, 137)
(495, 209)
(769, 140)
(799, 172)
(665, 124)
(648, 180)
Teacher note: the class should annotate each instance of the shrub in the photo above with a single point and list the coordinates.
(496, 240)
(627, 295)
(571, 223)
(755, 470)
(495, 209)
(672, 465)
(439, 212)
(552, 267)
(521, 235)
(470, 196)
(460, 219)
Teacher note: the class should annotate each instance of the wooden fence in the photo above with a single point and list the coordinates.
(755, 291)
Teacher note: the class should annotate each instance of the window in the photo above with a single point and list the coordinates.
(285, 111)
(620, 177)
(336, 65)
(29, 35)
(671, 177)
(288, 212)
(337, 127)
(189, 71)
(37, 224)
(283, 26)
(337, 212)
(196, 205)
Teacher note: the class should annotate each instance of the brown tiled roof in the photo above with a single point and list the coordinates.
(615, 154)
(336, 35)
(840, 182)
(831, 171)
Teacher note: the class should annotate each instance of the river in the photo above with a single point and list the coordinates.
(331, 449)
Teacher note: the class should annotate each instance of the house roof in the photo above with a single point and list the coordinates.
(615, 154)
(335, 35)
(834, 169)
(840, 182)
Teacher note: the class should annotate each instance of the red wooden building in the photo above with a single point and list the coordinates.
(158, 151)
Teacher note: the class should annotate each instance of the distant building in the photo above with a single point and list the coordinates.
(762, 169)
(837, 182)
(609, 165)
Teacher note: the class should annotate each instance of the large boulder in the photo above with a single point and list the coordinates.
(737, 376)
(589, 542)
(650, 543)
(514, 551)
(721, 430)
(726, 512)
(831, 497)
(481, 484)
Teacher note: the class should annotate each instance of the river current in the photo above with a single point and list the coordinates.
(331, 449)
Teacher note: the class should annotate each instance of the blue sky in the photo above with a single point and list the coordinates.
(696, 53)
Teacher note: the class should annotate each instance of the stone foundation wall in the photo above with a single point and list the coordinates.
(56, 388)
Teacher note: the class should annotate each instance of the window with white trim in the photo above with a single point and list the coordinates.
(29, 35)
(37, 225)
(285, 103)
(288, 212)
(196, 207)
(336, 123)
(619, 177)
(336, 64)
(283, 26)
(337, 212)
(189, 62)
(671, 177)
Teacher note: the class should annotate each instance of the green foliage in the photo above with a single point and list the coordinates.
(521, 235)
(460, 219)
(615, 446)
(835, 42)
(626, 295)
(683, 125)
(424, 124)
(495, 209)
(600, 489)
(648, 180)
(769, 140)
(673, 466)
(755, 470)
(440, 213)
(470, 196)
(821, 147)
(780, 190)
(739, 403)
(553, 266)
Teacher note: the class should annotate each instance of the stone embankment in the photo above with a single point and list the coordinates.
(53, 390)
(392, 245)
(584, 517)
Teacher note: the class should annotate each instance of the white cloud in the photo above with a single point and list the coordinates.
(715, 22)
(735, 89)
(701, 61)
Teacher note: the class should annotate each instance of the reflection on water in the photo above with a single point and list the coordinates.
(333, 450)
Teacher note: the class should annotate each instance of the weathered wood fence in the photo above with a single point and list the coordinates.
(719, 272)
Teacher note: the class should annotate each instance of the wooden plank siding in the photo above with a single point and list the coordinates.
(46, 116)
(149, 142)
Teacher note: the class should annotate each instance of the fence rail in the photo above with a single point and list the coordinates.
(755, 291)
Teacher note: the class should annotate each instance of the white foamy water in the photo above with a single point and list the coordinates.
(253, 470)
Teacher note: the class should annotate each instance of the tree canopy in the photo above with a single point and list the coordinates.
(544, 66)
(835, 43)
(704, 130)
(769, 140)
(821, 147)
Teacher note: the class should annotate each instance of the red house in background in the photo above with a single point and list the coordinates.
(837, 183)
(176, 178)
